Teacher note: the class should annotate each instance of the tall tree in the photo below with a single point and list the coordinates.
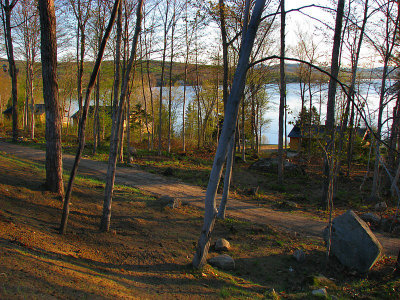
(82, 123)
(112, 160)
(6, 11)
(228, 130)
(54, 180)
(171, 62)
(166, 27)
(282, 93)
(330, 111)
(391, 13)
(231, 149)
(82, 12)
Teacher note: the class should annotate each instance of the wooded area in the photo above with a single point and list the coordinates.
(140, 83)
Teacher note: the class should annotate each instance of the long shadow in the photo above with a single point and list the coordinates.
(109, 269)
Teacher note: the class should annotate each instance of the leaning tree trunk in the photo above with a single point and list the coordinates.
(231, 150)
(82, 123)
(112, 160)
(54, 179)
(228, 130)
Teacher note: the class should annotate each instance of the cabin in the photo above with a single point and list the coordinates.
(316, 132)
(39, 112)
(295, 138)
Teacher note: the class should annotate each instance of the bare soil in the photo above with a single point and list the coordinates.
(148, 252)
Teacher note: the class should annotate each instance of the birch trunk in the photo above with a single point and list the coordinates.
(228, 130)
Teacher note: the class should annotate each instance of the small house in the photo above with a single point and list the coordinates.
(316, 132)
(39, 112)
(295, 138)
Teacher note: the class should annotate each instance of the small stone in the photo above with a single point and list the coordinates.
(169, 201)
(224, 262)
(299, 255)
(320, 293)
(222, 245)
(381, 206)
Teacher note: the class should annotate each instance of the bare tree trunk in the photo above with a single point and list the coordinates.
(32, 104)
(151, 103)
(350, 99)
(185, 78)
(117, 65)
(224, 51)
(54, 180)
(389, 44)
(145, 103)
(106, 217)
(231, 149)
(170, 79)
(162, 78)
(330, 112)
(82, 123)
(228, 131)
(282, 90)
(227, 179)
(96, 119)
(6, 16)
(243, 133)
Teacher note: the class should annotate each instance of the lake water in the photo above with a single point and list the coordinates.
(368, 93)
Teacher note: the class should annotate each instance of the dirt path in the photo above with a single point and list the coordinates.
(193, 195)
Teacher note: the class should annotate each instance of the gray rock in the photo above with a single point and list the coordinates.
(299, 255)
(223, 262)
(222, 245)
(370, 218)
(320, 293)
(353, 243)
(167, 201)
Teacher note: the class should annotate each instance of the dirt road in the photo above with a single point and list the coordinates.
(193, 195)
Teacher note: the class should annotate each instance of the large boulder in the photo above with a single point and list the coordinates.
(270, 165)
(353, 243)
